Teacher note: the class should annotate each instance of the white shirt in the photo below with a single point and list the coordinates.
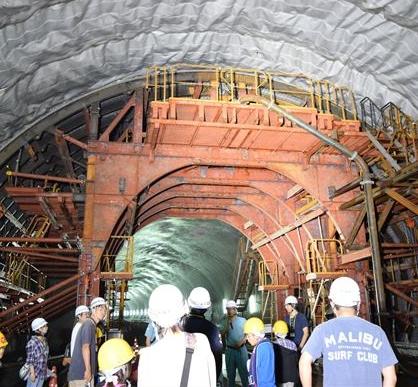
(161, 365)
(73, 336)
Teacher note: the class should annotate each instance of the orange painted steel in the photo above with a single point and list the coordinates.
(216, 159)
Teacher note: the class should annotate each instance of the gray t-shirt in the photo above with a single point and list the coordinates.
(354, 350)
(85, 335)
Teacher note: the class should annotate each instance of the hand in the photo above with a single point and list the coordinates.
(32, 377)
(87, 376)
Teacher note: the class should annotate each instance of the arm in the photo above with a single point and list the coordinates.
(305, 369)
(265, 365)
(147, 341)
(85, 350)
(389, 376)
(304, 337)
(30, 359)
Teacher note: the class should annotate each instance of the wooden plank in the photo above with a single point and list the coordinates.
(357, 255)
(297, 223)
(402, 200)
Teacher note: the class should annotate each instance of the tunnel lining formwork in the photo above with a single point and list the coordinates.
(149, 154)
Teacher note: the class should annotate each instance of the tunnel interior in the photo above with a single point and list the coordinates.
(187, 253)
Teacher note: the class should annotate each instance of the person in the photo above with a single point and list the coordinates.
(199, 302)
(236, 354)
(297, 322)
(355, 352)
(37, 352)
(114, 358)
(261, 364)
(81, 314)
(285, 356)
(83, 364)
(162, 364)
(3, 345)
(151, 335)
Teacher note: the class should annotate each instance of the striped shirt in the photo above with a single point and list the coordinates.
(37, 352)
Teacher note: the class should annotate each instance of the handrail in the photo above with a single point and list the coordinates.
(229, 83)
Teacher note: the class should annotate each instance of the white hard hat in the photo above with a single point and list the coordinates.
(290, 300)
(199, 298)
(81, 309)
(344, 291)
(38, 323)
(166, 306)
(98, 301)
(231, 304)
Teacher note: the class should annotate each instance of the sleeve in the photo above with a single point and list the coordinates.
(216, 347)
(265, 365)
(87, 331)
(303, 321)
(314, 344)
(387, 356)
(30, 352)
(150, 332)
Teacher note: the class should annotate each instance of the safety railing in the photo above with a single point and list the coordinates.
(23, 274)
(321, 255)
(394, 130)
(118, 261)
(229, 84)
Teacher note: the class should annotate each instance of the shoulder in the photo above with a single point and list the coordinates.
(301, 317)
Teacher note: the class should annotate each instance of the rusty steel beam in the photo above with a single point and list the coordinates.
(41, 294)
(356, 227)
(385, 214)
(35, 249)
(64, 153)
(33, 240)
(74, 141)
(44, 177)
(55, 301)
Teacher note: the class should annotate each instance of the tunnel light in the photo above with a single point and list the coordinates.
(21, 299)
(40, 300)
(252, 304)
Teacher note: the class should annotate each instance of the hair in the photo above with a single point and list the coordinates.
(281, 335)
(338, 307)
(122, 375)
(198, 311)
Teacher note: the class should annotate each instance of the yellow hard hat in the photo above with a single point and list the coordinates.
(280, 327)
(254, 325)
(3, 341)
(114, 353)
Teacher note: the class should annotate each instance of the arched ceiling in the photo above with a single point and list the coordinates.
(187, 253)
(55, 51)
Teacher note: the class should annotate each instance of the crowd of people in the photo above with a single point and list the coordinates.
(185, 349)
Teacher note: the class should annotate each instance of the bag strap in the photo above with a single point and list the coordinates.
(190, 345)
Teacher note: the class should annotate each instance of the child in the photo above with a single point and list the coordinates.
(286, 356)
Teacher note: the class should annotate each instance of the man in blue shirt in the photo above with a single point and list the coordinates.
(261, 370)
(297, 322)
(355, 351)
(236, 354)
